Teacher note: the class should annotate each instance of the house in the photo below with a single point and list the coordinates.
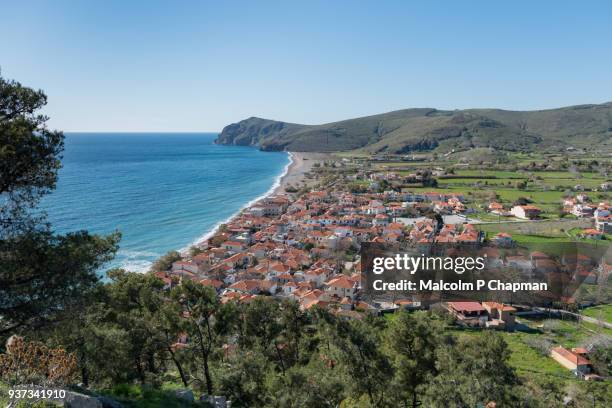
(341, 286)
(471, 313)
(289, 287)
(268, 286)
(184, 266)
(380, 220)
(501, 316)
(573, 360)
(166, 279)
(604, 224)
(591, 233)
(583, 198)
(583, 210)
(245, 286)
(525, 212)
(233, 246)
(503, 240)
(216, 284)
(317, 276)
(497, 208)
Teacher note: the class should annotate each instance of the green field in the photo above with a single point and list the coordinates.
(601, 312)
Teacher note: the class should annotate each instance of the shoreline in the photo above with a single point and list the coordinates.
(301, 163)
(276, 188)
(294, 173)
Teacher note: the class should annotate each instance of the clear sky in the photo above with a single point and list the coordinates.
(197, 66)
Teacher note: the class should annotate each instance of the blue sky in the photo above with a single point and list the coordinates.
(197, 66)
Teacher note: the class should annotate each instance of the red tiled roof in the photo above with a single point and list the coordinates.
(466, 306)
(569, 356)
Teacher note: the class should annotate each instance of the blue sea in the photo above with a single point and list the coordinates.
(161, 191)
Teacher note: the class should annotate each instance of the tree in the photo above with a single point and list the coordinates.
(195, 250)
(132, 301)
(164, 263)
(367, 366)
(41, 273)
(207, 321)
(260, 329)
(473, 371)
(29, 156)
(411, 342)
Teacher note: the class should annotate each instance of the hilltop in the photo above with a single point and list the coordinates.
(427, 129)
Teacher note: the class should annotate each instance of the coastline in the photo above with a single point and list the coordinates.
(294, 174)
(277, 187)
(301, 164)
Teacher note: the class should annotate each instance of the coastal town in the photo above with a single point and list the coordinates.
(213, 204)
(302, 244)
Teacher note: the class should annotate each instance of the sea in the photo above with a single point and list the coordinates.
(162, 191)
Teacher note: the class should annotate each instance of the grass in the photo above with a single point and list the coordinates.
(530, 362)
(527, 360)
(602, 312)
(551, 228)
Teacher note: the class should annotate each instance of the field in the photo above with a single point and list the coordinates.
(601, 312)
(480, 186)
(529, 356)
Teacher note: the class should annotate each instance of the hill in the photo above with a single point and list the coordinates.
(424, 129)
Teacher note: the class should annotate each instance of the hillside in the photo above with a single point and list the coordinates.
(422, 129)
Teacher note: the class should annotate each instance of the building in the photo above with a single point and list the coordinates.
(471, 313)
(604, 224)
(573, 360)
(525, 212)
(500, 315)
(503, 239)
(591, 233)
(342, 286)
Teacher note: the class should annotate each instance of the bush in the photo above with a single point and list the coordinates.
(541, 344)
(31, 362)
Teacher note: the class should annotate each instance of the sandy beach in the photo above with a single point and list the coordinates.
(302, 163)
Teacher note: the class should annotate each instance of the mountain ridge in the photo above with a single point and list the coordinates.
(428, 129)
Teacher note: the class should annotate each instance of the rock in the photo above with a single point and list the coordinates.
(109, 402)
(184, 394)
(76, 400)
(216, 401)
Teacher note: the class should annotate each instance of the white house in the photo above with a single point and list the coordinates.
(525, 212)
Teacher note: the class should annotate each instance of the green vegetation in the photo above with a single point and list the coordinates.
(135, 340)
(601, 312)
(137, 396)
(425, 129)
(41, 273)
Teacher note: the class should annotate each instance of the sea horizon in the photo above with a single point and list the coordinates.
(163, 191)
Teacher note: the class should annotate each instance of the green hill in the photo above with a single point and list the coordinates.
(424, 129)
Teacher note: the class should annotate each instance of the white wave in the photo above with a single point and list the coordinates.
(138, 254)
(135, 261)
(271, 190)
(136, 265)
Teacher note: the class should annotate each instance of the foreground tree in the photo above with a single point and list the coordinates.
(207, 321)
(412, 341)
(360, 354)
(41, 273)
(474, 371)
